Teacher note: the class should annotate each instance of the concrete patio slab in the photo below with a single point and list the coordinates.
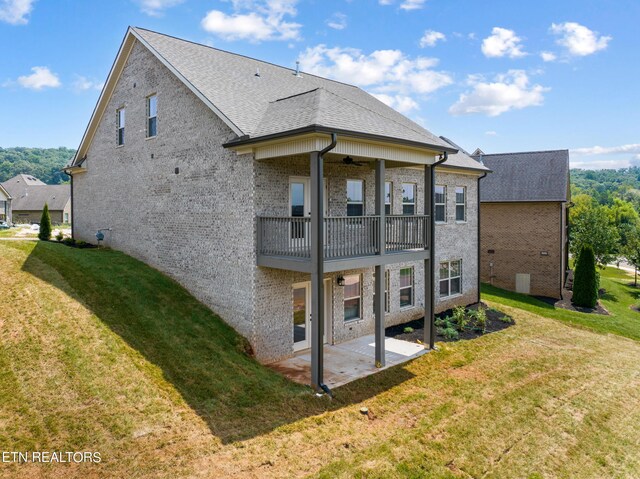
(346, 362)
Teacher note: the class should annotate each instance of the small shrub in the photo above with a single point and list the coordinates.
(69, 242)
(408, 330)
(506, 319)
(460, 318)
(45, 224)
(480, 318)
(450, 333)
(585, 283)
(59, 236)
(81, 244)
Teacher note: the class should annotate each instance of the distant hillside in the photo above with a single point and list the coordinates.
(43, 163)
(605, 185)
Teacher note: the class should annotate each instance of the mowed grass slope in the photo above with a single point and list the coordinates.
(99, 352)
(619, 295)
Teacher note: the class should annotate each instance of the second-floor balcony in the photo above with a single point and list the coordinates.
(287, 240)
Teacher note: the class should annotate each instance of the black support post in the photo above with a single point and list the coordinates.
(317, 271)
(380, 272)
(429, 264)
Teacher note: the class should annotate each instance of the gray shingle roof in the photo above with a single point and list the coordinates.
(462, 159)
(251, 103)
(34, 194)
(526, 176)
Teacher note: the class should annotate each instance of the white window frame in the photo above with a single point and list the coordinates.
(390, 197)
(149, 117)
(463, 204)
(387, 296)
(412, 286)
(449, 278)
(443, 204)
(120, 126)
(355, 202)
(415, 198)
(349, 298)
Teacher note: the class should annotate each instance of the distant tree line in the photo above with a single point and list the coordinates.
(43, 163)
(604, 215)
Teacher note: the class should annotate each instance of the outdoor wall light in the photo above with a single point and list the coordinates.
(340, 280)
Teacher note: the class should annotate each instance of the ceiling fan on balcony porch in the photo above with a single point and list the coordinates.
(347, 160)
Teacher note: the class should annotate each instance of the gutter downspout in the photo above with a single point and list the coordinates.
(479, 246)
(432, 253)
(318, 338)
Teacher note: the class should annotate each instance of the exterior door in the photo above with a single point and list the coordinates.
(300, 207)
(302, 314)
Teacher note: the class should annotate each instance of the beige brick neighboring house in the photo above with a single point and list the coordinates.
(29, 195)
(224, 174)
(5, 205)
(523, 213)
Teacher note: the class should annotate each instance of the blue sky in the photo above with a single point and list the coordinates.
(501, 75)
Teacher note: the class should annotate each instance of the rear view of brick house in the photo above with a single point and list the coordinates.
(524, 216)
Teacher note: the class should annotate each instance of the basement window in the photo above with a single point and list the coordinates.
(450, 278)
(120, 126)
(352, 297)
(406, 288)
(152, 116)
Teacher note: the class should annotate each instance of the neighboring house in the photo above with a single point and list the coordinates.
(220, 170)
(29, 196)
(524, 218)
(5, 205)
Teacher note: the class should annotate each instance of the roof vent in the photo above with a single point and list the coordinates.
(257, 72)
(297, 69)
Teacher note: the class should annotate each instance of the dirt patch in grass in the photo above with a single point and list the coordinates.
(414, 330)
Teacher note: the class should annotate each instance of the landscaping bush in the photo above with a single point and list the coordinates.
(45, 224)
(59, 236)
(585, 280)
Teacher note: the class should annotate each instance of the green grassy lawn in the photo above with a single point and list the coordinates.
(99, 352)
(619, 296)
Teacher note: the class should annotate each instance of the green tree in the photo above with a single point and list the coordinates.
(631, 251)
(590, 225)
(624, 217)
(585, 280)
(45, 224)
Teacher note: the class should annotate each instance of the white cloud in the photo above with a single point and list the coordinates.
(632, 148)
(548, 56)
(388, 72)
(255, 21)
(431, 37)
(406, 4)
(41, 78)
(502, 42)
(402, 103)
(509, 91)
(82, 83)
(578, 39)
(412, 4)
(155, 8)
(15, 12)
(491, 133)
(337, 21)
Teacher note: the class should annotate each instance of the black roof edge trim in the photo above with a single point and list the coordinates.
(354, 134)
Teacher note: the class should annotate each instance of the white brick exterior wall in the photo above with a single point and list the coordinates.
(198, 226)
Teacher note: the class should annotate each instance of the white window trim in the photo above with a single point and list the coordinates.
(387, 288)
(449, 278)
(415, 197)
(464, 204)
(441, 204)
(413, 289)
(390, 183)
(147, 102)
(345, 299)
(356, 202)
(123, 127)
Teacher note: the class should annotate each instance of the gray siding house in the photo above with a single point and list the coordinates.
(276, 197)
(29, 195)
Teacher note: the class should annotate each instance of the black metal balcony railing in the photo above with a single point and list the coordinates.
(344, 237)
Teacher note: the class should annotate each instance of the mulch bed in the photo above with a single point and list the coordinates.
(494, 323)
(566, 303)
